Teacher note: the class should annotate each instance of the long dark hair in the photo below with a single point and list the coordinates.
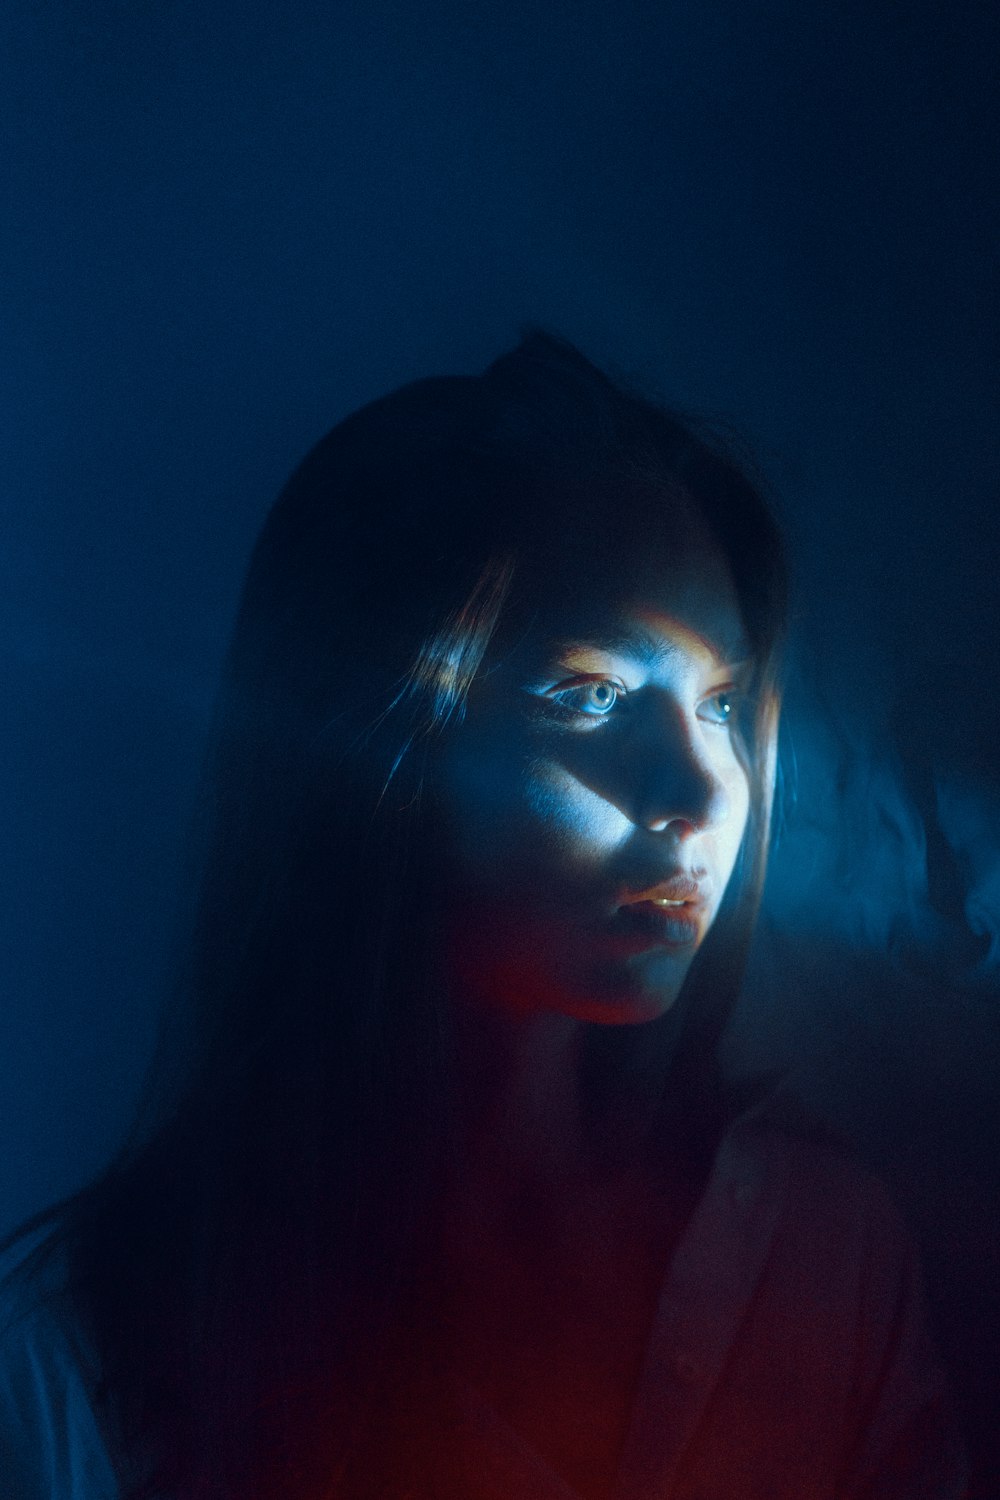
(240, 1263)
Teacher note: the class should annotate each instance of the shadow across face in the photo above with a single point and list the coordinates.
(594, 799)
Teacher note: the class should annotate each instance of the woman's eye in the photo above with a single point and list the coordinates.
(719, 709)
(596, 699)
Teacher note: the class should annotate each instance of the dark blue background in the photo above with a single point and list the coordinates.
(225, 226)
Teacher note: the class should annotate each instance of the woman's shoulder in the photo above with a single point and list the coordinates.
(778, 1149)
(51, 1446)
(836, 1249)
(780, 1132)
(838, 1301)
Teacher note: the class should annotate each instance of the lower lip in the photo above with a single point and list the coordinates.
(669, 926)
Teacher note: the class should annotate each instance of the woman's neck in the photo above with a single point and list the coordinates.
(536, 1151)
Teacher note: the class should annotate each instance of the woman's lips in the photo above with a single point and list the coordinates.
(674, 924)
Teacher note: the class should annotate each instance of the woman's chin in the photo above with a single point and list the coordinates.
(610, 990)
(628, 999)
(642, 987)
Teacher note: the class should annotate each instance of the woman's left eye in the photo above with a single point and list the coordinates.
(596, 698)
(719, 709)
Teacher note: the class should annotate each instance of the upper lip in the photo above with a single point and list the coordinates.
(679, 887)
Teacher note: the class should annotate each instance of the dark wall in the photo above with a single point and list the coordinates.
(225, 226)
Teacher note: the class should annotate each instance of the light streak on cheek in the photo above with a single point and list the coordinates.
(738, 788)
(736, 785)
(579, 820)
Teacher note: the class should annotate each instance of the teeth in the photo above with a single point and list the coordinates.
(661, 901)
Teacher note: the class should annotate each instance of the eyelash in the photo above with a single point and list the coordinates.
(559, 696)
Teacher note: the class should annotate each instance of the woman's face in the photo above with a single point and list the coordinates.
(594, 798)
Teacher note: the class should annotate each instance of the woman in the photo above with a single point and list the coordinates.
(438, 1191)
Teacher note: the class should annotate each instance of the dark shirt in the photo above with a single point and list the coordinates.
(787, 1360)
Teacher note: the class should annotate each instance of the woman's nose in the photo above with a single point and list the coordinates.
(680, 787)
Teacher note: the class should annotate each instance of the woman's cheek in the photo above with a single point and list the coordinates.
(738, 787)
(531, 828)
(570, 817)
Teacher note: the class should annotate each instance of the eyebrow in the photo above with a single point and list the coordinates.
(731, 649)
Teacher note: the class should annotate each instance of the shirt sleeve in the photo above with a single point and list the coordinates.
(50, 1444)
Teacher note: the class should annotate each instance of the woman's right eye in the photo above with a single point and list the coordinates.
(594, 698)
